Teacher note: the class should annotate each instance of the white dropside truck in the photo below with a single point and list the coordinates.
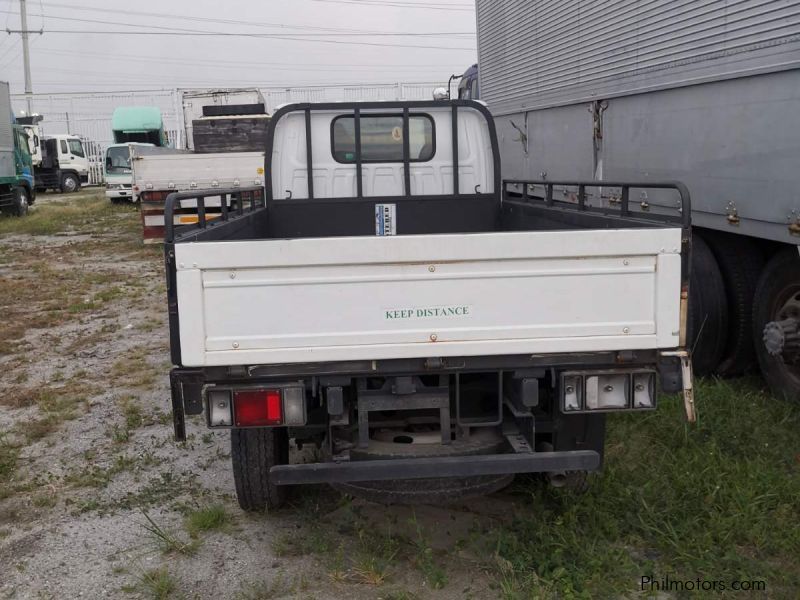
(432, 329)
(158, 172)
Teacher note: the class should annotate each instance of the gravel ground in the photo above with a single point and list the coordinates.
(96, 498)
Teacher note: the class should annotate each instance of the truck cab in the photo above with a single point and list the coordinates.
(131, 126)
(64, 163)
(432, 328)
(468, 86)
(118, 171)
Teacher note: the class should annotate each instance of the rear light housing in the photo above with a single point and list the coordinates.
(278, 405)
(607, 391)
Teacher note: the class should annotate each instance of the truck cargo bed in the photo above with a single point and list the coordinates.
(331, 299)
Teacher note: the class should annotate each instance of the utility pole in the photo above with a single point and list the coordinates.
(26, 56)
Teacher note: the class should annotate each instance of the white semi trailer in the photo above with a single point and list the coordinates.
(707, 93)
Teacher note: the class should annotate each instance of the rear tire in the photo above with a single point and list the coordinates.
(740, 262)
(779, 281)
(253, 453)
(70, 183)
(707, 327)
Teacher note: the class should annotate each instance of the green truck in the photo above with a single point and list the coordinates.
(131, 126)
(17, 191)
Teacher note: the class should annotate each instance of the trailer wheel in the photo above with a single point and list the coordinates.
(253, 453)
(707, 326)
(70, 183)
(776, 315)
(740, 262)
(21, 202)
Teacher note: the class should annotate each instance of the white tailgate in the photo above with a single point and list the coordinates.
(356, 298)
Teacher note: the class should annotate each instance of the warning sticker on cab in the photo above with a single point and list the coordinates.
(385, 221)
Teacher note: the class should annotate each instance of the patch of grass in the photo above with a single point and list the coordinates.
(35, 429)
(120, 435)
(9, 454)
(100, 477)
(424, 559)
(264, 590)
(134, 370)
(715, 500)
(208, 518)
(157, 584)
(316, 540)
(170, 543)
(160, 490)
(67, 214)
(45, 500)
(398, 594)
(20, 397)
(132, 413)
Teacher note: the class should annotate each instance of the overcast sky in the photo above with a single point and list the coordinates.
(361, 43)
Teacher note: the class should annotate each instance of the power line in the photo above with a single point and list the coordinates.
(13, 45)
(405, 4)
(250, 35)
(247, 64)
(203, 85)
(184, 18)
(245, 34)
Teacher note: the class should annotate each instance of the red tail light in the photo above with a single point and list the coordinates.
(253, 408)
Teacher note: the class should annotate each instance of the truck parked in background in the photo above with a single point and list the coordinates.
(226, 136)
(17, 190)
(131, 126)
(694, 91)
(157, 174)
(205, 111)
(60, 162)
(64, 166)
(468, 85)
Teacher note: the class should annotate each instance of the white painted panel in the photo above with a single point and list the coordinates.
(443, 295)
(668, 311)
(189, 285)
(186, 171)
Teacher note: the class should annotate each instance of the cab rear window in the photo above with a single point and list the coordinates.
(382, 138)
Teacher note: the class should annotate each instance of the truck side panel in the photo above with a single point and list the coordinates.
(734, 143)
(537, 53)
(272, 301)
(7, 166)
(706, 93)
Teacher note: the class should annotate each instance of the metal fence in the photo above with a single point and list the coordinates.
(88, 115)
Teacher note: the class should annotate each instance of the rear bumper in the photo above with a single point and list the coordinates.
(119, 193)
(450, 466)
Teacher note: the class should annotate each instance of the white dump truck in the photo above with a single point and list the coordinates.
(430, 327)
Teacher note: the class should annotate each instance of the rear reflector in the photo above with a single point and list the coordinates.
(253, 408)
